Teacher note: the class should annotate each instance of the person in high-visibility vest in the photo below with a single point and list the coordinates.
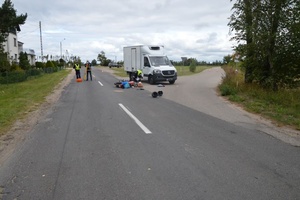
(77, 70)
(138, 75)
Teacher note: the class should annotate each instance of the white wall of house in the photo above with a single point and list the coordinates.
(11, 47)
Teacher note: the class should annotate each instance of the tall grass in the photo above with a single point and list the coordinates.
(16, 99)
(282, 106)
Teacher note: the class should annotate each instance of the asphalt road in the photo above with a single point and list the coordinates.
(101, 142)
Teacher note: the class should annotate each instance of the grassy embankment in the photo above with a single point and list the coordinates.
(282, 107)
(17, 99)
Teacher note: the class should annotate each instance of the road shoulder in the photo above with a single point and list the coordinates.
(20, 129)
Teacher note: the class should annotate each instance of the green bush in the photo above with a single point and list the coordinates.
(227, 90)
(49, 64)
(193, 66)
(14, 66)
(34, 72)
(13, 77)
(231, 82)
(39, 65)
(282, 106)
(55, 69)
(18, 75)
(4, 63)
(50, 67)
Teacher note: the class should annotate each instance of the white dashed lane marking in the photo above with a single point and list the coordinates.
(138, 122)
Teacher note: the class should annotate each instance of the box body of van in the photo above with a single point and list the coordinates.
(151, 59)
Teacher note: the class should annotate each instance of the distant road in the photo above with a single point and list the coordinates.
(101, 142)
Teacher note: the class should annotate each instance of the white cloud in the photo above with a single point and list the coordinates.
(191, 28)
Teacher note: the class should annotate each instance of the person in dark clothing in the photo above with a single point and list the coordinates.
(88, 70)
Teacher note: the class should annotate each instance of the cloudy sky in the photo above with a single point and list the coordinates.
(187, 28)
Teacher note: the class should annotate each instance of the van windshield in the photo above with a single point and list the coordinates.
(159, 60)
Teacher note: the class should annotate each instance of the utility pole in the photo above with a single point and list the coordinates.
(67, 55)
(61, 48)
(41, 42)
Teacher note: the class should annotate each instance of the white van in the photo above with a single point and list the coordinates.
(152, 61)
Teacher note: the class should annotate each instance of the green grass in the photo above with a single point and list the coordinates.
(119, 72)
(282, 107)
(185, 70)
(20, 98)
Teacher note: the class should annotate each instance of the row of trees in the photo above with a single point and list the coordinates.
(190, 61)
(104, 61)
(268, 37)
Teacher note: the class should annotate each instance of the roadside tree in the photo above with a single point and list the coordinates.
(102, 59)
(94, 62)
(23, 61)
(267, 33)
(193, 66)
(9, 20)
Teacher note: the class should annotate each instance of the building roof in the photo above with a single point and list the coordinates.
(29, 51)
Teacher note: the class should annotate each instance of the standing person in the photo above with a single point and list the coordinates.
(77, 68)
(88, 70)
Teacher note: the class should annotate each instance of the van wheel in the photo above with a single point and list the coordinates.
(151, 80)
(171, 82)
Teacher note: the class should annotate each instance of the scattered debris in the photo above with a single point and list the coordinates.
(156, 94)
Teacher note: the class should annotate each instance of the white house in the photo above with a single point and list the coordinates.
(30, 55)
(13, 47)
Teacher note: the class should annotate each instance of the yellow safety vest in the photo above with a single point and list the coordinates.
(77, 67)
(139, 72)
